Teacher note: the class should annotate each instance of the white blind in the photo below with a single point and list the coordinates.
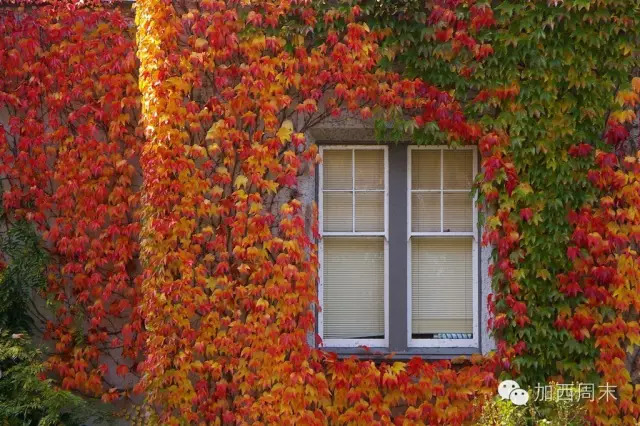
(441, 285)
(353, 184)
(458, 213)
(458, 169)
(369, 211)
(425, 212)
(337, 211)
(337, 169)
(441, 265)
(353, 288)
(441, 182)
(425, 169)
(457, 176)
(369, 169)
(353, 277)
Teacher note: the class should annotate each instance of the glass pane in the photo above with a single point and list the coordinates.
(458, 212)
(441, 287)
(369, 169)
(425, 212)
(425, 169)
(336, 169)
(370, 211)
(458, 169)
(337, 212)
(353, 288)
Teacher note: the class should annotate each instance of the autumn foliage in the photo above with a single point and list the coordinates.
(69, 145)
(161, 159)
(230, 265)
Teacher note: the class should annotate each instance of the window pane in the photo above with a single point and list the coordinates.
(353, 288)
(370, 211)
(425, 212)
(441, 286)
(458, 212)
(337, 167)
(425, 169)
(337, 211)
(369, 169)
(458, 169)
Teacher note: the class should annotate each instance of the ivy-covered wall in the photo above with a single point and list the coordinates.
(160, 162)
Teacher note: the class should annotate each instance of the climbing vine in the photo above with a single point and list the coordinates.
(230, 262)
(557, 94)
(161, 161)
(69, 145)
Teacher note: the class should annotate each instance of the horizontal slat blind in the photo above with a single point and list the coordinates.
(458, 213)
(353, 183)
(425, 212)
(369, 211)
(337, 169)
(441, 278)
(353, 266)
(457, 176)
(425, 169)
(353, 286)
(337, 211)
(442, 264)
(458, 169)
(369, 169)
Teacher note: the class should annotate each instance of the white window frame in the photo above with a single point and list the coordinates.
(443, 343)
(353, 343)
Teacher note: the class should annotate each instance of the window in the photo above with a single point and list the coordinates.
(428, 229)
(442, 283)
(354, 248)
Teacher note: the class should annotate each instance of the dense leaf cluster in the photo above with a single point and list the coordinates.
(69, 107)
(23, 275)
(214, 320)
(26, 396)
(555, 90)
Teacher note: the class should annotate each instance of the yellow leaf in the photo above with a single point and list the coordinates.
(625, 116)
(397, 367)
(213, 131)
(200, 43)
(241, 181)
(627, 97)
(255, 208)
(286, 130)
(524, 189)
(179, 84)
(544, 274)
(271, 186)
(217, 191)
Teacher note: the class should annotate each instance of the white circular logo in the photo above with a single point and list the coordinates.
(506, 387)
(519, 396)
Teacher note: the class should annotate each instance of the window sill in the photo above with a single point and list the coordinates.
(380, 354)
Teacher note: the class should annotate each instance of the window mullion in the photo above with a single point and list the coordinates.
(398, 249)
(442, 190)
(353, 190)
